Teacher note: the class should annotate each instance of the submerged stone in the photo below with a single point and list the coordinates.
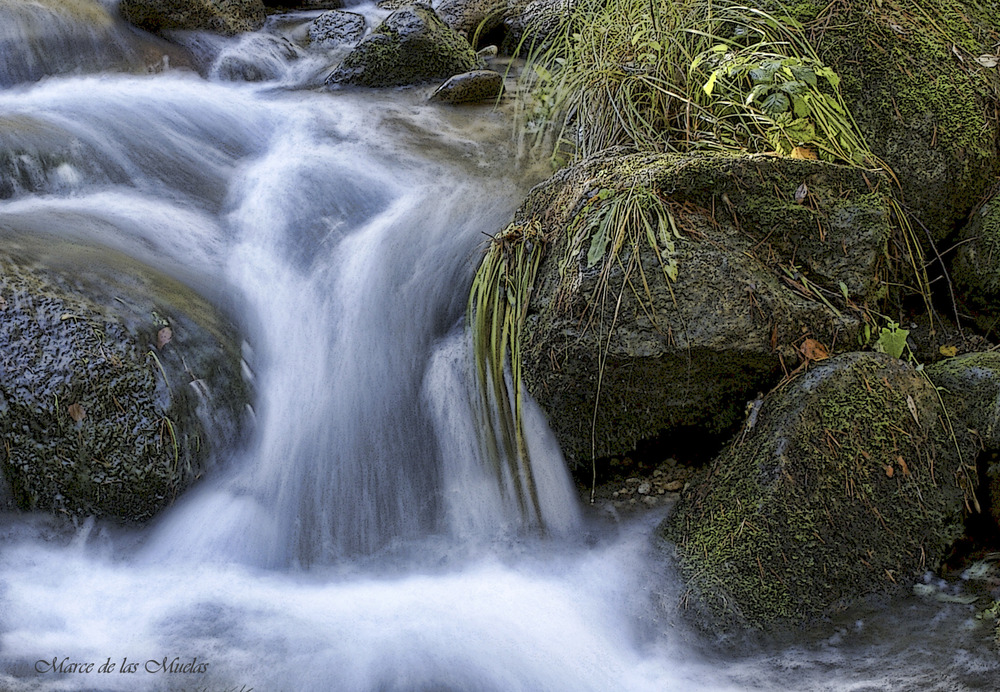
(848, 483)
(118, 387)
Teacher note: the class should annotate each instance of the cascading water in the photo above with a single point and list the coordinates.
(361, 541)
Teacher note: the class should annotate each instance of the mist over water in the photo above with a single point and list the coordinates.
(360, 541)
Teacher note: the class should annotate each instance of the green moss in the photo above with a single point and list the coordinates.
(837, 492)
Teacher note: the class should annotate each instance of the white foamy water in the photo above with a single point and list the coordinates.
(361, 540)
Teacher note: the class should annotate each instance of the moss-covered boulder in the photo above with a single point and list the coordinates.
(672, 288)
(845, 483)
(227, 17)
(913, 80)
(970, 388)
(976, 267)
(411, 46)
(118, 387)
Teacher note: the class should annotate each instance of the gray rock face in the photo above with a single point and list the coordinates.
(114, 397)
(411, 46)
(846, 483)
(686, 332)
(470, 87)
(532, 24)
(336, 28)
(226, 17)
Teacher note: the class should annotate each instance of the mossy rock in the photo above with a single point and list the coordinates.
(976, 267)
(227, 17)
(470, 87)
(118, 386)
(411, 46)
(911, 80)
(970, 388)
(847, 483)
(756, 274)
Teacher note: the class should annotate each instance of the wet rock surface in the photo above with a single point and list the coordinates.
(117, 390)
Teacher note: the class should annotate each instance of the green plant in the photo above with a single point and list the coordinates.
(892, 340)
(498, 303)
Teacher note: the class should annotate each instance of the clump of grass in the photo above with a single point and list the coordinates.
(498, 303)
(684, 76)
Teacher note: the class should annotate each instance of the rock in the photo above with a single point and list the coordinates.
(474, 19)
(976, 267)
(970, 389)
(336, 28)
(849, 483)
(470, 87)
(411, 46)
(532, 25)
(118, 387)
(918, 95)
(670, 352)
(255, 58)
(225, 17)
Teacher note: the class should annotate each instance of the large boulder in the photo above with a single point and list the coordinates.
(227, 17)
(118, 387)
(728, 270)
(337, 28)
(411, 46)
(847, 482)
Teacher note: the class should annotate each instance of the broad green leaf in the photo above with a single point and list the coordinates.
(775, 103)
(598, 246)
(892, 340)
(800, 107)
(804, 74)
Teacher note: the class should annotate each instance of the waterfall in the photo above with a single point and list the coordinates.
(361, 539)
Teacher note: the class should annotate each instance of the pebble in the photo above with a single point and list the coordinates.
(644, 488)
(673, 486)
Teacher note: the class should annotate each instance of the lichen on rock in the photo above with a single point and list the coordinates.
(227, 17)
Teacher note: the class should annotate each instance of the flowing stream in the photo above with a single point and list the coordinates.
(360, 541)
